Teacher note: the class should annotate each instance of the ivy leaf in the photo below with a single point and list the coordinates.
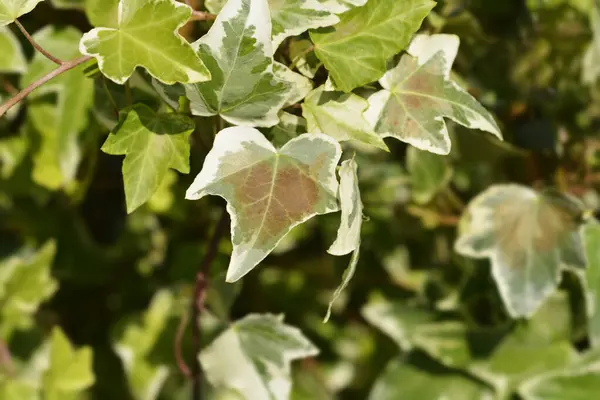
(144, 33)
(135, 344)
(12, 59)
(590, 70)
(214, 6)
(25, 283)
(254, 355)
(60, 120)
(238, 52)
(300, 85)
(341, 6)
(384, 26)
(103, 12)
(12, 151)
(339, 115)
(69, 370)
(289, 127)
(415, 99)
(13, 9)
(303, 56)
(528, 237)
(152, 143)
(591, 239)
(268, 191)
(292, 17)
(348, 234)
(429, 173)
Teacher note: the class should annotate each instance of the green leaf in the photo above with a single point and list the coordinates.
(590, 69)
(591, 240)
(303, 56)
(254, 356)
(416, 97)
(134, 346)
(416, 377)
(238, 52)
(528, 237)
(429, 173)
(60, 120)
(214, 6)
(348, 234)
(69, 370)
(144, 33)
(289, 127)
(12, 151)
(153, 143)
(268, 191)
(103, 12)
(25, 283)
(13, 9)
(12, 59)
(292, 17)
(382, 26)
(69, 4)
(339, 115)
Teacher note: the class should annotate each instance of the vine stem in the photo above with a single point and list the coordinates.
(64, 67)
(202, 16)
(36, 45)
(198, 302)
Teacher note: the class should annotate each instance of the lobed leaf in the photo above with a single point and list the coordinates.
(13, 9)
(356, 50)
(152, 143)
(254, 356)
(144, 33)
(528, 237)
(268, 191)
(339, 115)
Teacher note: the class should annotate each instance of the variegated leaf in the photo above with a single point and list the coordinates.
(268, 191)
(13, 9)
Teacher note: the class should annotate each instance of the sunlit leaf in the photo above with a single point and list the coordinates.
(60, 120)
(268, 190)
(103, 12)
(339, 115)
(25, 283)
(69, 371)
(144, 33)
(153, 143)
(416, 97)
(254, 357)
(238, 52)
(591, 239)
(12, 58)
(429, 173)
(528, 237)
(340, 6)
(348, 235)
(356, 50)
(145, 376)
(13, 9)
(214, 6)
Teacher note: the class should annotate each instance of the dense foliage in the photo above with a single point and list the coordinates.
(410, 188)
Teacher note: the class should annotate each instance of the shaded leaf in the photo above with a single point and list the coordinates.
(429, 173)
(12, 58)
(417, 96)
(268, 191)
(144, 33)
(591, 239)
(528, 237)
(300, 86)
(13, 9)
(60, 120)
(152, 143)
(25, 283)
(382, 26)
(238, 52)
(12, 151)
(339, 115)
(254, 355)
(303, 56)
(289, 127)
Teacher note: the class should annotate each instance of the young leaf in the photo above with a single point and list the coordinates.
(144, 33)
(152, 143)
(238, 52)
(348, 235)
(383, 26)
(12, 59)
(69, 371)
(292, 17)
(415, 99)
(60, 120)
(528, 237)
(339, 115)
(25, 283)
(429, 173)
(145, 377)
(268, 191)
(254, 355)
(13, 9)
(591, 239)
